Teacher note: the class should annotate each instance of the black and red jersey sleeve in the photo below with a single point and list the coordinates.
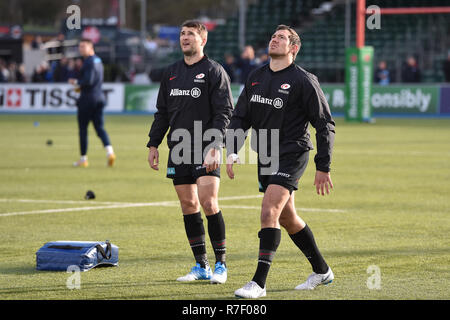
(319, 116)
(160, 123)
(221, 99)
(240, 120)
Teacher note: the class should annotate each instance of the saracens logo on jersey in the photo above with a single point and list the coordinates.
(276, 103)
(200, 78)
(194, 92)
(284, 88)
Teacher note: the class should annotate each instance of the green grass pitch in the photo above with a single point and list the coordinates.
(390, 208)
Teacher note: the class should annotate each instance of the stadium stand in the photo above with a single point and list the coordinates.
(424, 36)
(262, 17)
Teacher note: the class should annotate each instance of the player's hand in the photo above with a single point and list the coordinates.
(232, 158)
(73, 81)
(323, 182)
(153, 158)
(212, 160)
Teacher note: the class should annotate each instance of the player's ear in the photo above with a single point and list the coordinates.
(294, 49)
(204, 40)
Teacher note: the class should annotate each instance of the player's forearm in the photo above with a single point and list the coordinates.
(325, 144)
(158, 130)
(220, 123)
(235, 135)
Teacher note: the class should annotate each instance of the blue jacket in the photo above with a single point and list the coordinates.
(91, 80)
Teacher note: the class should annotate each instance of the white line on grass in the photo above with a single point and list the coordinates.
(60, 201)
(115, 205)
(299, 209)
(110, 202)
(392, 153)
(125, 205)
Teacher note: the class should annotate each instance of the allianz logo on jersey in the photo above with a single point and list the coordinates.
(194, 92)
(276, 103)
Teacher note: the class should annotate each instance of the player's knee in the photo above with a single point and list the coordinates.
(269, 215)
(210, 205)
(189, 205)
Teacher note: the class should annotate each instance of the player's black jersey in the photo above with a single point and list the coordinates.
(188, 93)
(287, 100)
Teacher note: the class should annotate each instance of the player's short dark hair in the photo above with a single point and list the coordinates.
(294, 38)
(86, 40)
(199, 26)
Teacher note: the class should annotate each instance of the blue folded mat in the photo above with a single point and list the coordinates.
(59, 255)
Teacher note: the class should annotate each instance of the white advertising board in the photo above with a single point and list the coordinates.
(53, 97)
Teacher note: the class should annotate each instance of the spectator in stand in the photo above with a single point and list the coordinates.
(151, 45)
(382, 74)
(230, 66)
(246, 63)
(61, 72)
(3, 72)
(37, 74)
(37, 42)
(263, 58)
(47, 73)
(16, 72)
(41, 73)
(78, 64)
(73, 68)
(20, 73)
(411, 71)
(11, 71)
(447, 67)
(71, 72)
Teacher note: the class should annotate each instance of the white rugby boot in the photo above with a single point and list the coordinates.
(316, 279)
(220, 273)
(250, 291)
(197, 273)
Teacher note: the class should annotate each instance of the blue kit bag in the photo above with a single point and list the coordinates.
(59, 255)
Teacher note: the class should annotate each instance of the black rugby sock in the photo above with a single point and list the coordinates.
(216, 232)
(304, 240)
(269, 239)
(195, 231)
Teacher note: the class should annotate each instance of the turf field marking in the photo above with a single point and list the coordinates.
(60, 201)
(107, 205)
(110, 202)
(392, 153)
(124, 205)
(115, 205)
(299, 209)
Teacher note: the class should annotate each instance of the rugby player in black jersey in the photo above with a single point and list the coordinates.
(283, 99)
(195, 99)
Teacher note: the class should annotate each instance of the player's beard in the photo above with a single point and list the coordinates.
(191, 51)
(275, 55)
